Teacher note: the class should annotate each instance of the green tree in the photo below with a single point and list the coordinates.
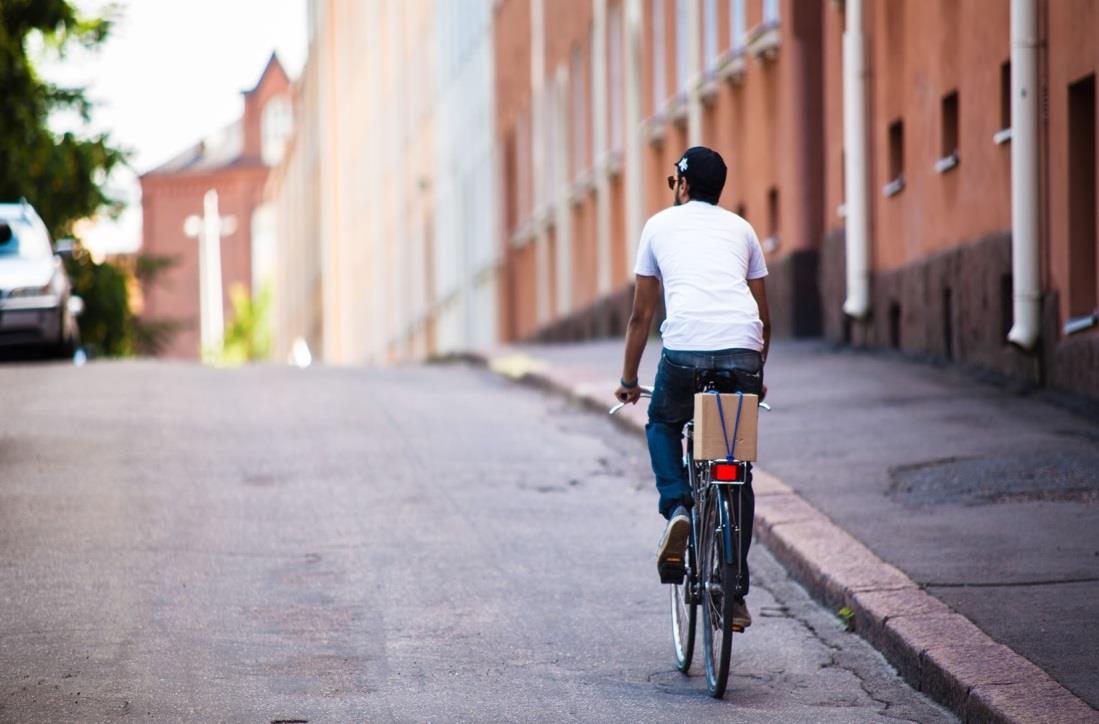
(61, 175)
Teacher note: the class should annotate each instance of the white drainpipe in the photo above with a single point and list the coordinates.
(694, 74)
(857, 304)
(538, 160)
(633, 156)
(1024, 173)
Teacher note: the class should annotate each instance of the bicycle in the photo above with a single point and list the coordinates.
(712, 576)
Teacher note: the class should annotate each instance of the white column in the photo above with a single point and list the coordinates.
(632, 168)
(538, 141)
(327, 181)
(214, 329)
(599, 143)
(563, 222)
(694, 73)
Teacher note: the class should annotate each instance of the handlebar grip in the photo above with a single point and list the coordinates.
(645, 392)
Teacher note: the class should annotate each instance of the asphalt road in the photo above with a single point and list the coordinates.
(988, 499)
(423, 544)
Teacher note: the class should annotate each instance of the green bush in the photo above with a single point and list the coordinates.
(248, 334)
(106, 326)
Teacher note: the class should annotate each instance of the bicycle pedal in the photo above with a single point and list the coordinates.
(672, 571)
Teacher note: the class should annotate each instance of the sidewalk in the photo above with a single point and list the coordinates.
(988, 502)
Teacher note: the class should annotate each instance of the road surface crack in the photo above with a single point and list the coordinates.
(1008, 584)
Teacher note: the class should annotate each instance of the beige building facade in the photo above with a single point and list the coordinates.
(385, 216)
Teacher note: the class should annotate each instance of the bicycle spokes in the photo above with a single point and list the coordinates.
(718, 590)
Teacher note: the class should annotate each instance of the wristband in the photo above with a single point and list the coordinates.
(627, 385)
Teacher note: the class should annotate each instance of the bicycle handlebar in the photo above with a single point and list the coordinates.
(645, 392)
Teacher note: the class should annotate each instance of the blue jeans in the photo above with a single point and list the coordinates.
(672, 407)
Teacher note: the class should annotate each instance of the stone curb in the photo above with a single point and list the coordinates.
(936, 650)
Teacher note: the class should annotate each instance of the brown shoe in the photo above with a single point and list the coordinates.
(671, 557)
(742, 619)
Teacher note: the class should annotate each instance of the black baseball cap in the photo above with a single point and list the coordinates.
(704, 170)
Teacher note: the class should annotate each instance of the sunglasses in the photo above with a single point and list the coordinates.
(673, 181)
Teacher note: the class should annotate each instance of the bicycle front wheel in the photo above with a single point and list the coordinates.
(685, 613)
(718, 580)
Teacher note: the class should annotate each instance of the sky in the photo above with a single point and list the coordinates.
(171, 73)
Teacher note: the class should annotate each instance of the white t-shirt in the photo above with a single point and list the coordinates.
(704, 255)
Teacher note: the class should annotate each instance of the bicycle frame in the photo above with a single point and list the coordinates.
(704, 491)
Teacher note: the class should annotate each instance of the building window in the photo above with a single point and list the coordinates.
(553, 146)
(523, 164)
(511, 182)
(579, 112)
(896, 159)
(682, 46)
(1082, 261)
(264, 236)
(737, 24)
(770, 244)
(1004, 134)
(616, 82)
(709, 35)
(948, 323)
(895, 325)
(948, 152)
(950, 124)
(660, 92)
(275, 126)
(770, 12)
(1007, 306)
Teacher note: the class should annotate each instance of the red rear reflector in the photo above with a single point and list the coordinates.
(726, 472)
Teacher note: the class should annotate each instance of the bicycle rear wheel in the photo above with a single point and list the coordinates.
(718, 578)
(684, 610)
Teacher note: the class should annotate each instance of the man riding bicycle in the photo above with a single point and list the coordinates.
(711, 265)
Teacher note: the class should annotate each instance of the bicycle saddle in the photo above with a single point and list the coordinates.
(717, 380)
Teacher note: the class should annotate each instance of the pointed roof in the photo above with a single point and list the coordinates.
(225, 147)
(274, 65)
(218, 150)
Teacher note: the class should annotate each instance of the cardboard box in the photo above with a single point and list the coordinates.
(709, 442)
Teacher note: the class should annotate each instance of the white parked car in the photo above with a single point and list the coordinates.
(37, 307)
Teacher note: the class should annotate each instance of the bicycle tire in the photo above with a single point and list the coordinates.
(718, 580)
(684, 613)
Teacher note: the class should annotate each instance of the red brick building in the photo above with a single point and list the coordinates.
(595, 99)
(624, 87)
(939, 117)
(235, 162)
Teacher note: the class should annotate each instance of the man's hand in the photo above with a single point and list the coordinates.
(763, 394)
(629, 395)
